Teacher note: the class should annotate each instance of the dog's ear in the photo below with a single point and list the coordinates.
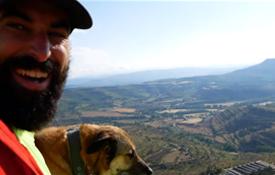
(107, 142)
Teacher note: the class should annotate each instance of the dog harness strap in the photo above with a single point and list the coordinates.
(77, 163)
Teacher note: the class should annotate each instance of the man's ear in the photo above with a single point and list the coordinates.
(106, 142)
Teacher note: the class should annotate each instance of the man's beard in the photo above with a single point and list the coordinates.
(23, 108)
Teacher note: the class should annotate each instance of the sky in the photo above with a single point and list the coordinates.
(130, 36)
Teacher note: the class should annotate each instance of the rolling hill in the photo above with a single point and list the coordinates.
(244, 128)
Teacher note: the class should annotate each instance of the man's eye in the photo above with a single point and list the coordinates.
(58, 35)
(16, 26)
(131, 154)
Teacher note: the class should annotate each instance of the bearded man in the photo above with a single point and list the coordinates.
(34, 61)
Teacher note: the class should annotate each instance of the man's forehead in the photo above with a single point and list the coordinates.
(39, 12)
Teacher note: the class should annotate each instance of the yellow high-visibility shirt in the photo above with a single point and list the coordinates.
(26, 138)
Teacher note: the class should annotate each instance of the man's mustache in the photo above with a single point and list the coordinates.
(29, 62)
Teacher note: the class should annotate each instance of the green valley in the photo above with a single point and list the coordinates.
(188, 125)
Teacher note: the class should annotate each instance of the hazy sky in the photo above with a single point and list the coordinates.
(138, 35)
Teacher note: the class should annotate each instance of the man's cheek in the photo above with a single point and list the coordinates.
(61, 55)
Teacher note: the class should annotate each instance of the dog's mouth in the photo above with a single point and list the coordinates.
(124, 173)
(138, 169)
(133, 173)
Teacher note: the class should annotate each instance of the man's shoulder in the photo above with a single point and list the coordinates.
(6, 135)
(11, 164)
(14, 159)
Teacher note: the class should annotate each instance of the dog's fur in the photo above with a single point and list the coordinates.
(106, 150)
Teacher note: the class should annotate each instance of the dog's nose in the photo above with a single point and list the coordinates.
(149, 171)
(144, 168)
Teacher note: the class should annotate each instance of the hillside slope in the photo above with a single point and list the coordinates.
(245, 128)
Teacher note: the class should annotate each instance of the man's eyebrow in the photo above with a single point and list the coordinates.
(61, 24)
(15, 13)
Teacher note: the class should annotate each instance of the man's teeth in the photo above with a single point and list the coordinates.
(32, 73)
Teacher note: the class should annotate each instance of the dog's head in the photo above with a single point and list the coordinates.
(110, 151)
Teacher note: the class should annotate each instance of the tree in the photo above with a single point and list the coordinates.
(212, 170)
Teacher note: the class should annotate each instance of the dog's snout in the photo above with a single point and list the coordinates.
(145, 168)
(149, 171)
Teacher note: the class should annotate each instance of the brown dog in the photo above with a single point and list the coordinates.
(105, 150)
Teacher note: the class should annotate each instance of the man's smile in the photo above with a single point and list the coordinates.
(32, 79)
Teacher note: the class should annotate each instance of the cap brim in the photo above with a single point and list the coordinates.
(78, 15)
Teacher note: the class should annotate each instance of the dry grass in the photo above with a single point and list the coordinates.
(194, 120)
(103, 114)
(172, 111)
(124, 110)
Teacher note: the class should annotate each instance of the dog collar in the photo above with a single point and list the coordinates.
(77, 163)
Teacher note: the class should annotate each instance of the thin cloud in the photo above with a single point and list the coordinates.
(92, 62)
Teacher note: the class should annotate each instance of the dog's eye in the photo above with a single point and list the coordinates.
(131, 154)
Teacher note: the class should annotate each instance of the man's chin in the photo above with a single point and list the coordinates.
(30, 110)
(30, 107)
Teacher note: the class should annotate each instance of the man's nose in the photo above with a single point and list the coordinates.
(40, 47)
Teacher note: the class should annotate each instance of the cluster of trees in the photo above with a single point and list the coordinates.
(212, 170)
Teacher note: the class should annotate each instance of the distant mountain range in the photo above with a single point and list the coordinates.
(254, 82)
(260, 72)
(144, 76)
